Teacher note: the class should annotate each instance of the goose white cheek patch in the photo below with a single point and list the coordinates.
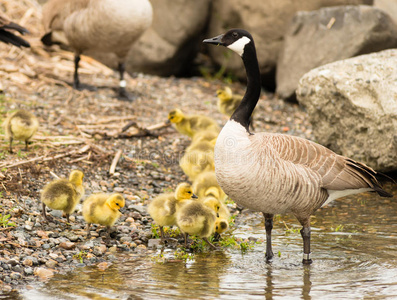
(238, 46)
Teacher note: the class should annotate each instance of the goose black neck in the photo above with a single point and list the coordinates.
(243, 112)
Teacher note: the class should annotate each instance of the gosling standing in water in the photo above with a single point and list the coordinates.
(20, 125)
(63, 194)
(103, 209)
(164, 207)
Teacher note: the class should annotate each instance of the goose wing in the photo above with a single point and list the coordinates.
(336, 171)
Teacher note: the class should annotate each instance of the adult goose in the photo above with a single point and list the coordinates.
(6, 32)
(106, 26)
(277, 173)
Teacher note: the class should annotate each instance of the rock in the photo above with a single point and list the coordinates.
(67, 245)
(28, 271)
(138, 208)
(154, 243)
(51, 263)
(352, 106)
(56, 213)
(388, 6)
(43, 273)
(329, 34)
(27, 262)
(267, 21)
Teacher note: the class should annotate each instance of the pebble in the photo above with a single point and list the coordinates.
(67, 245)
(43, 273)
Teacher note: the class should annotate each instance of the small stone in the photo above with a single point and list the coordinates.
(56, 213)
(28, 271)
(130, 220)
(46, 246)
(15, 276)
(67, 245)
(27, 262)
(51, 263)
(118, 189)
(125, 239)
(12, 262)
(103, 265)
(43, 273)
(6, 288)
(154, 243)
(28, 227)
(113, 249)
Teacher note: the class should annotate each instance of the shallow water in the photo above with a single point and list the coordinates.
(356, 261)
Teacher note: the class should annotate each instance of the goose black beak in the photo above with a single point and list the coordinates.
(215, 40)
(194, 196)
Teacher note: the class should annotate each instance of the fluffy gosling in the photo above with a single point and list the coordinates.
(190, 125)
(103, 209)
(196, 218)
(63, 194)
(227, 102)
(20, 125)
(206, 185)
(163, 208)
(195, 162)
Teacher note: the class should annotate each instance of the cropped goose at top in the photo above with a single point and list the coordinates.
(277, 173)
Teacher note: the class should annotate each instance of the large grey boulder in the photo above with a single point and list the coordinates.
(330, 34)
(352, 105)
(389, 7)
(266, 20)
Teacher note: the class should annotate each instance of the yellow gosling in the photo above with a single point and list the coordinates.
(206, 135)
(221, 225)
(196, 218)
(206, 184)
(227, 102)
(103, 209)
(63, 194)
(164, 207)
(20, 125)
(191, 124)
(195, 162)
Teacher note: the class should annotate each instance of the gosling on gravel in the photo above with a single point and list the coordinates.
(63, 194)
(102, 209)
(20, 125)
(196, 218)
(97, 26)
(164, 207)
(191, 124)
(6, 32)
(227, 101)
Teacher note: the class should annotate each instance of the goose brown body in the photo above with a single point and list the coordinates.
(277, 173)
(97, 26)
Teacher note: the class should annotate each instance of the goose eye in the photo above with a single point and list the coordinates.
(235, 34)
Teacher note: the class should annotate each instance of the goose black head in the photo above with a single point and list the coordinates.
(235, 39)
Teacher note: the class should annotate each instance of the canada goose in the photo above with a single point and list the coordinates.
(63, 194)
(196, 218)
(103, 209)
(277, 173)
(6, 35)
(191, 124)
(206, 185)
(163, 208)
(20, 125)
(195, 162)
(97, 25)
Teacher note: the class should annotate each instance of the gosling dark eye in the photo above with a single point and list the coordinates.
(189, 192)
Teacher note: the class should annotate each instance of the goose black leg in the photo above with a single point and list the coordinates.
(305, 233)
(76, 81)
(268, 227)
(123, 94)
